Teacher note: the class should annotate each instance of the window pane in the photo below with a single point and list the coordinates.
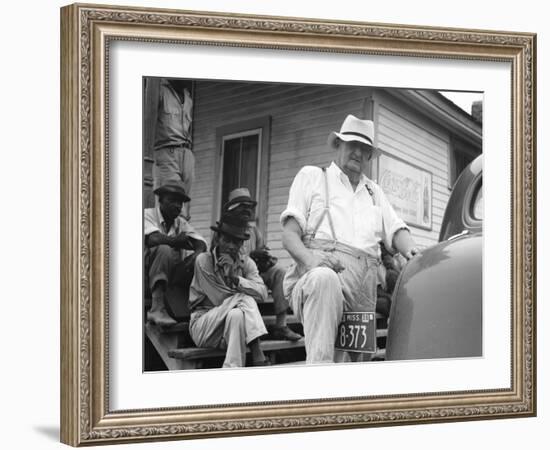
(240, 165)
(249, 164)
(231, 163)
(478, 204)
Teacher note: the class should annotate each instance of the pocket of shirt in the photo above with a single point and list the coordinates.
(170, 106)
(171, 110)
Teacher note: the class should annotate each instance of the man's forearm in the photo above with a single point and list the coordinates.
(198, 245)
(156, 239)
(292, 242)
(253, 287)
(177, 242)
(404, 243)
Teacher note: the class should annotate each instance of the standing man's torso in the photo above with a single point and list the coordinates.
(174, 117)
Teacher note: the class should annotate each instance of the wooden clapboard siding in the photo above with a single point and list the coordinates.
(407, 135)
(268, 95)
(301, 118)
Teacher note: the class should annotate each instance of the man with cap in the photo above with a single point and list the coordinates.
(240, 203)
(167, 235)
(223, 296)
(332, 226)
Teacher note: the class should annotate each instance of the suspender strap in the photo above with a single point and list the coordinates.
(327, 205)
(326, 211)
(371, 193)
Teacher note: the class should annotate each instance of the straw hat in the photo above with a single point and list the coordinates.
(238, 196)
(354, 129)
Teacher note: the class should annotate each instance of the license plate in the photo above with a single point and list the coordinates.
(357, 332)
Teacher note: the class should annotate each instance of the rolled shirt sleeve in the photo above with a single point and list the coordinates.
(150, 221)
(299, 197)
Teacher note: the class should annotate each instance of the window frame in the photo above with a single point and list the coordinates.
(261, 125)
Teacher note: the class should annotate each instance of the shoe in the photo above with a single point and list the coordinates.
(160, 319)
(284, 333)
(158, 315)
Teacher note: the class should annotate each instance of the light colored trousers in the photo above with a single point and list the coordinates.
(320, 295)
(174, 164)
(232, 325)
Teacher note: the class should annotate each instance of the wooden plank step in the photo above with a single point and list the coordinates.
(381, 332)
(197, 352)
(183, 327)
(162, 342)
(180, 327)
(269, 320)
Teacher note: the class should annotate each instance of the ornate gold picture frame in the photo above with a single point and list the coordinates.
(87, 32)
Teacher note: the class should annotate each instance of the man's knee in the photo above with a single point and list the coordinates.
(235, 317)
(323, 283)
(164, 249)
(162, 253)
(324, 278)
(247, 302)
(279, 273)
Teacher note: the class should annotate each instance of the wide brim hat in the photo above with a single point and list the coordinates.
(174, 187)
(236, 226)
(238, 196)
(354, 129)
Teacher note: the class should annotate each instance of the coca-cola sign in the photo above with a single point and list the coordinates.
(408, 188)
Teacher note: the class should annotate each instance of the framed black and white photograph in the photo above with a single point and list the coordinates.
(302, 210)
(247, 141)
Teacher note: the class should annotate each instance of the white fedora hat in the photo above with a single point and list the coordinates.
(354, 129)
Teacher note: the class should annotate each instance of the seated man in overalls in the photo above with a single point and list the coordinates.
(240, 203)
(223, 296)
(332, 226)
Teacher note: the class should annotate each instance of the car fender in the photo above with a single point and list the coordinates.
(436, 306)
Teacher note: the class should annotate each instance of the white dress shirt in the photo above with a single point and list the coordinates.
(358, 220)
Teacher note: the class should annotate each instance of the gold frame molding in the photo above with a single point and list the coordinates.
(86, 31)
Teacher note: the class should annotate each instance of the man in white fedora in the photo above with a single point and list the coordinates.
(332, 226)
